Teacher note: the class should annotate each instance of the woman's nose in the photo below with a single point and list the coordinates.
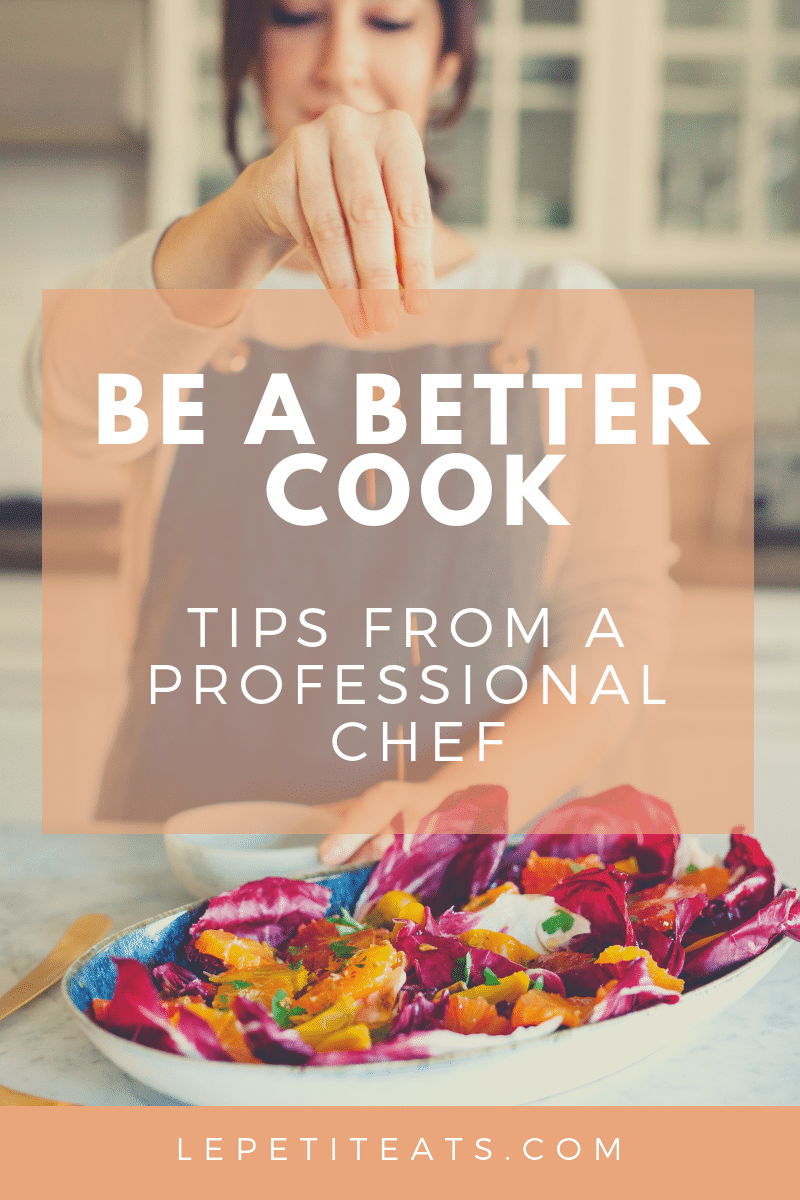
(343, 61)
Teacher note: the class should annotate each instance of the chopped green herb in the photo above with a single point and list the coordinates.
(342, 950)
(538, 983)
(691, 869)
(462, 968)
(240, 983)
(279, 1011)
(294, 966)
(489, 978)
(559, 920)
(297, 1011)
(575, 867)
(344, 918)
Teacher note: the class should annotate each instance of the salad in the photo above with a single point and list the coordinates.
(458, 934)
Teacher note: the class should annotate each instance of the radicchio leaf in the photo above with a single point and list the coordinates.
(268, 910)
(580, 975)
(617, 824)
(453, 854)
(434, 956)
(408, 1045)
(754, 883)
(635, 990)
(598, 895)
(173, 981)
(782, 915)
(667, 948)
(265, 1037)
(135, 1013)
(417, 1012)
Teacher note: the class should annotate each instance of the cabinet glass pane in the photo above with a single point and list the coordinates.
(548, 98)
(546, 148)
(551, 12)
(705, 12)
(783, 193)
(699, 171)
(459, 155)
(789, 13)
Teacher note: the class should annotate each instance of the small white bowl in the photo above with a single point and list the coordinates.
(220, 846)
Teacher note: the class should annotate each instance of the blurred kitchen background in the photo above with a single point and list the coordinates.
(657, 139)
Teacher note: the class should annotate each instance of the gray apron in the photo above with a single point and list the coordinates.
(218, 544)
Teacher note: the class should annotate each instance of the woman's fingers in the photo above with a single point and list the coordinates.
(350, 188)
(406, 188)
(359, 186)
(370, 816)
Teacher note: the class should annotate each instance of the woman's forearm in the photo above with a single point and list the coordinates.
(206, 261)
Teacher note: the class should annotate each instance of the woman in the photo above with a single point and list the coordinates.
(347, 89)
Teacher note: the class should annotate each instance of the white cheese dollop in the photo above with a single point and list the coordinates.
(691, 854)
(522, 917)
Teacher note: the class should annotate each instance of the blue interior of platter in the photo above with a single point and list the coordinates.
(163, 941)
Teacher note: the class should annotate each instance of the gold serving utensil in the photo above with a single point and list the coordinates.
(22, 1099)
(81, 935)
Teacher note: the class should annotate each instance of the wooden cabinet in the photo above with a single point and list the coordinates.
(653, 137)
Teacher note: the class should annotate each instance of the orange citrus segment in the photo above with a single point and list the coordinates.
(234, 951)
(660, 977)
(499, 943)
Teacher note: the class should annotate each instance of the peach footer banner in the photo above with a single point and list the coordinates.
(427, 1152)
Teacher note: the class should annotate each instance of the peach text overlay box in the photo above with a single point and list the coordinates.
(510, 542)
(603, 1152)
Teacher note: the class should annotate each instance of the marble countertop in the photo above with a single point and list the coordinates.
(748, 1055)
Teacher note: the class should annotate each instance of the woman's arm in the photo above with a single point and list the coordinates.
(348, 189)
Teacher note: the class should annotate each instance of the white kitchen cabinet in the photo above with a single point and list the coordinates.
(653, 137)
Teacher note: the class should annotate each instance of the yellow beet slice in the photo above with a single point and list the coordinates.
(355, 1037)
(510, 988)
(337, 1017)
(396, 906)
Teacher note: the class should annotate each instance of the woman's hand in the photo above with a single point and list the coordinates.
(349, 189)
(365, 832)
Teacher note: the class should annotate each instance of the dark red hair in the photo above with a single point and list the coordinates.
(244, 20)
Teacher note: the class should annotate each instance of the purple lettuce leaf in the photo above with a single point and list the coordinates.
(599, 896)
(781, 915)
(743, 900)
(434, 956)
(268, 910)
(580, 975)
(551, 982)
(667, 949)
(453, 854)
(745, 855)
(265, 1037)
(406, 1046)
(173, 981)
(635, 990)
(619, 823)
(417, 1012)
(451, 922)
(135, 1013)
